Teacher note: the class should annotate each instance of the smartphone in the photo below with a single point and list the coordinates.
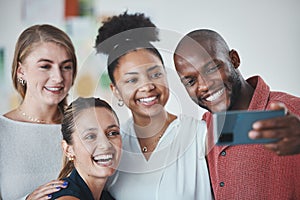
(232, 127)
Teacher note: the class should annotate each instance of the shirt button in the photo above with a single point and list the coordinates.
(222, 184)
(223, 153)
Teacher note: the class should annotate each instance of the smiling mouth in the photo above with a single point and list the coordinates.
(105, 159)
(215, 95)
(147, 100)
(54, 89)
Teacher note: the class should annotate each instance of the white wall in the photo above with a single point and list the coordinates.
(264, 32)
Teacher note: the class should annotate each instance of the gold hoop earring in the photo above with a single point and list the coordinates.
(121, 103)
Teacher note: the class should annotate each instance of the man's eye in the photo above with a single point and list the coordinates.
(212, 69)
(189, 82)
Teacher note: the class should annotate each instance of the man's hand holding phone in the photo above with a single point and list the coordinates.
(285, 129)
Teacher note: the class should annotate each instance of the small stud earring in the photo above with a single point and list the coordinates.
(71, 158)
(121, 103)
(21, 81)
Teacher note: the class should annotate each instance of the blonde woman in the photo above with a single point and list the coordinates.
(43, 70)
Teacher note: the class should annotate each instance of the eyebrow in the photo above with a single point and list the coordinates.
(96, 129)
(89, 129)
(113, 126)
(148, 70)
(152, 68)
(130, 73)
(50, 61)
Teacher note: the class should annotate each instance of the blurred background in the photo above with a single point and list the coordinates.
(264, 32)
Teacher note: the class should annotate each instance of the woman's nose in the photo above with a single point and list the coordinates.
(57, 75)
(104, 143)
(147, 87)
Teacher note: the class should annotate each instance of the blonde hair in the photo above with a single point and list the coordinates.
(29, 39)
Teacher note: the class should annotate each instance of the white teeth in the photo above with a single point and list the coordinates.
(215, 96)
(103, 158)
(147, 100)
(53, 89)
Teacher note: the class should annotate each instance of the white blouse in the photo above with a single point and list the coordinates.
(176, 169)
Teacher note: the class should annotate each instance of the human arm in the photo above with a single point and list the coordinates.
(286, 129)
(45, 191)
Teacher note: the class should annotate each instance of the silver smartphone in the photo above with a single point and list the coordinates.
(232, 127)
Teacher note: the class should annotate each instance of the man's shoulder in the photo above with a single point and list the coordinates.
(290, 101)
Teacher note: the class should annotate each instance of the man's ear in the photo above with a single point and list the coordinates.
(67, 149)
(115, 91)
(235, 58)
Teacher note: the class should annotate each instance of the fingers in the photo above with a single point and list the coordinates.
(276, 122)
(280, 127)
(278, 106)
(286, 146)
(45, 191)
(286, 129)
(268, 133)
(261, 124)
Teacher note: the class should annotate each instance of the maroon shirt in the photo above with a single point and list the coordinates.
(250, 171)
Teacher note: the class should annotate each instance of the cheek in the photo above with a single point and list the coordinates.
(117, 142)
(85, 149)
(162, 82)
(223, 75)
(127, 92)
(162, 85)
(68, 77)
(192, 91)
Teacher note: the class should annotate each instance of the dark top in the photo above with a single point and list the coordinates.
(78, 188)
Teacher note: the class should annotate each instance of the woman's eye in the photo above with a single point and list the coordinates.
(67, 67)
(45, 66)
(156, 75)
(113, 133)
(133, 80)
(90, 136)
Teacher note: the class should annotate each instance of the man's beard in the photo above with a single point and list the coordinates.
(236, 88)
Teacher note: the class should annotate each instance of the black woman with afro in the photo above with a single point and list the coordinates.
(163, 155)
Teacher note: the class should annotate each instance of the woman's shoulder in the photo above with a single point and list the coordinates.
(10, 116)
(71, 192)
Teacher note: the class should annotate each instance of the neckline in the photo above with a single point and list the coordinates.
(157, 148)
(25, 123)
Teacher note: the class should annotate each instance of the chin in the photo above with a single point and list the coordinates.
(106, 173)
